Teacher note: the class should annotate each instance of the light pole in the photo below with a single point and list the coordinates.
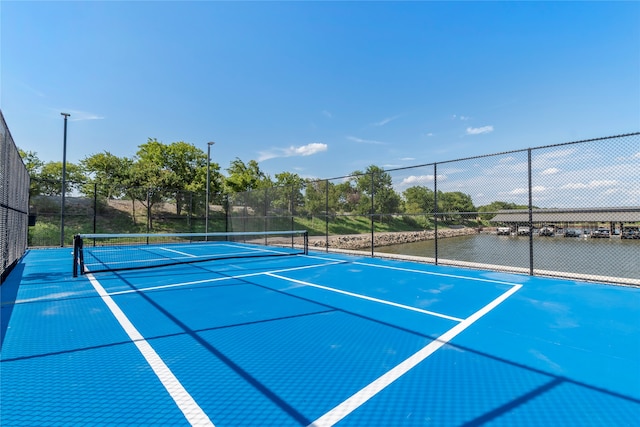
(64, 175)
(206, 218)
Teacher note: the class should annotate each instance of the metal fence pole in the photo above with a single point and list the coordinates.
(326, 214)
(226, 212)
(530, 214)
(292, 206)
(64, 174)
(435, 211)
(95, 205)
(372, 217)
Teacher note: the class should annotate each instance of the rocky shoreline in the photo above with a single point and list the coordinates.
(363, 241)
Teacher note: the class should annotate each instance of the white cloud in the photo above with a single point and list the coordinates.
(365, 141)
(77, 115)
(420, 180)
(534, 189)
(327, 114)
(307, 150)
(303, 150)
(555, 154)
(591, 184)
(550, 171)
(385, 121)
(407, 159)
(480, 130)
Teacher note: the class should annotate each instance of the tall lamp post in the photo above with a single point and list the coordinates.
(206, 218)
(64, 175)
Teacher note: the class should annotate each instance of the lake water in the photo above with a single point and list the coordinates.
(612, 257)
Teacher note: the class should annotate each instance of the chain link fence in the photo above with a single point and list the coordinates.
(14, 202)
(568, 210)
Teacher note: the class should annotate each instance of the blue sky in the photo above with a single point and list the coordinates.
(318, 88)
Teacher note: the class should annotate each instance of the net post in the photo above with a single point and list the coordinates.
(306, 242)
(77, 250)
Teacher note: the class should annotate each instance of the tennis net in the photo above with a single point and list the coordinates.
(111, 252)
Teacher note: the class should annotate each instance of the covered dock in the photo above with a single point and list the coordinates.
(616, 219)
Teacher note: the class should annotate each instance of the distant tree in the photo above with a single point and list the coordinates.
(188, 171)
(451, 204)
(49, 181)
(34, 166)
(107, 173)
(243, 177)
(376, 183)
(315, 197)
(173, 170)
(418, 199)
(346, 196)
(288, 187)
(489, 211)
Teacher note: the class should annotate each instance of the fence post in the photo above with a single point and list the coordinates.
(435, 211)
(226, 213)
(372, 216)
(266, 213)
(292, 206)
(149, 210)
(95, 205)
(189, 219)
(530, 214)
(326, 215)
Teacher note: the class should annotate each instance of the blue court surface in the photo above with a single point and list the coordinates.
(314, 340)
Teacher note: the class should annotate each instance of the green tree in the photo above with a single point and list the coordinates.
(451, 204)
(490, 210)
(376, 183)
(34, 166)
(289, 191)
(315, 197)
(173, 170)
(243, 177)
(49, 181)
(347, 196)
(418, 199)
(107, 172)
(188, 171)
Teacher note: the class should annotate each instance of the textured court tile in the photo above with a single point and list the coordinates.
(102, 386)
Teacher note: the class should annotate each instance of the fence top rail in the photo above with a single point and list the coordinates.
(521, 150)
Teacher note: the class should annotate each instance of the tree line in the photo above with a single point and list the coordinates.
(161, 172)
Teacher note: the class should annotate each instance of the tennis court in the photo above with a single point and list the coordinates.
(315, 339)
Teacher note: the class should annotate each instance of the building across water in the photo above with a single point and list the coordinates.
(624, 221)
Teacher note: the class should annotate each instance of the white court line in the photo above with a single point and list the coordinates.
(359, 398)
(179, 252)
(365, 297)
(218, 279)
(410, 270)
(189, 407)
(432, 273)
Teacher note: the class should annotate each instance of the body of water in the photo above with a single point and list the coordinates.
(612, 257)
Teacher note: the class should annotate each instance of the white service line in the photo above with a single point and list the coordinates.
(219, 279)
(179, 252)
(365, 297)
(432, 273)
(362, 396)
(189, 407)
